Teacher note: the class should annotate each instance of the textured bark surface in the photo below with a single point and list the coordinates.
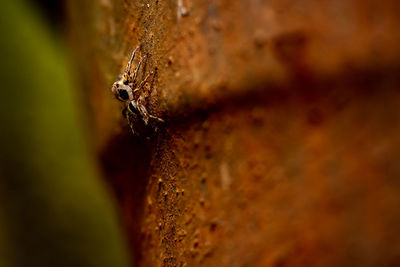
(281, 143)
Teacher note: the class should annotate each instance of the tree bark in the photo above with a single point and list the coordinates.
(281, 137)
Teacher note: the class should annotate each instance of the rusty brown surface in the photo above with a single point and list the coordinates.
(281, 143)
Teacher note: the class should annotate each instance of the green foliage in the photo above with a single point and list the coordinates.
(54, 211)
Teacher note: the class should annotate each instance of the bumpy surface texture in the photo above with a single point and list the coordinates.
(281, 142)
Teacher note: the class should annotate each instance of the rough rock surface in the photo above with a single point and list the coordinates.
(281, 142)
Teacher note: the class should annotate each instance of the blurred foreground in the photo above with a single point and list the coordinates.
(54, 210)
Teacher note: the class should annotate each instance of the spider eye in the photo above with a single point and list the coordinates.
(126, 82)
(123, 94)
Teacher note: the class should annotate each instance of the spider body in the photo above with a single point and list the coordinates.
(127, 89)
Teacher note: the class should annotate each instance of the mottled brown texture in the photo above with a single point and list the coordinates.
(281, 144)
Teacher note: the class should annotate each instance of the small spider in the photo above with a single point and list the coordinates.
(127, 89)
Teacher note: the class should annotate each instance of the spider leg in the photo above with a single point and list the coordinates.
(137, 69)
(140, 101)
(144, 81)
(128, 66)
(127, 115)
(156, 118)
(142, 109)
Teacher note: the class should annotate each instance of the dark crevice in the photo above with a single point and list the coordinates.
(125, 163)
(309, 91)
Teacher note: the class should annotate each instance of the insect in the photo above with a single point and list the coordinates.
(129, 90)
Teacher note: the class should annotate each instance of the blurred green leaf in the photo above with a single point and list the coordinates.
(54, 211)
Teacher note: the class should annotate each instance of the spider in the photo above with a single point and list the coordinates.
(127, 89)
